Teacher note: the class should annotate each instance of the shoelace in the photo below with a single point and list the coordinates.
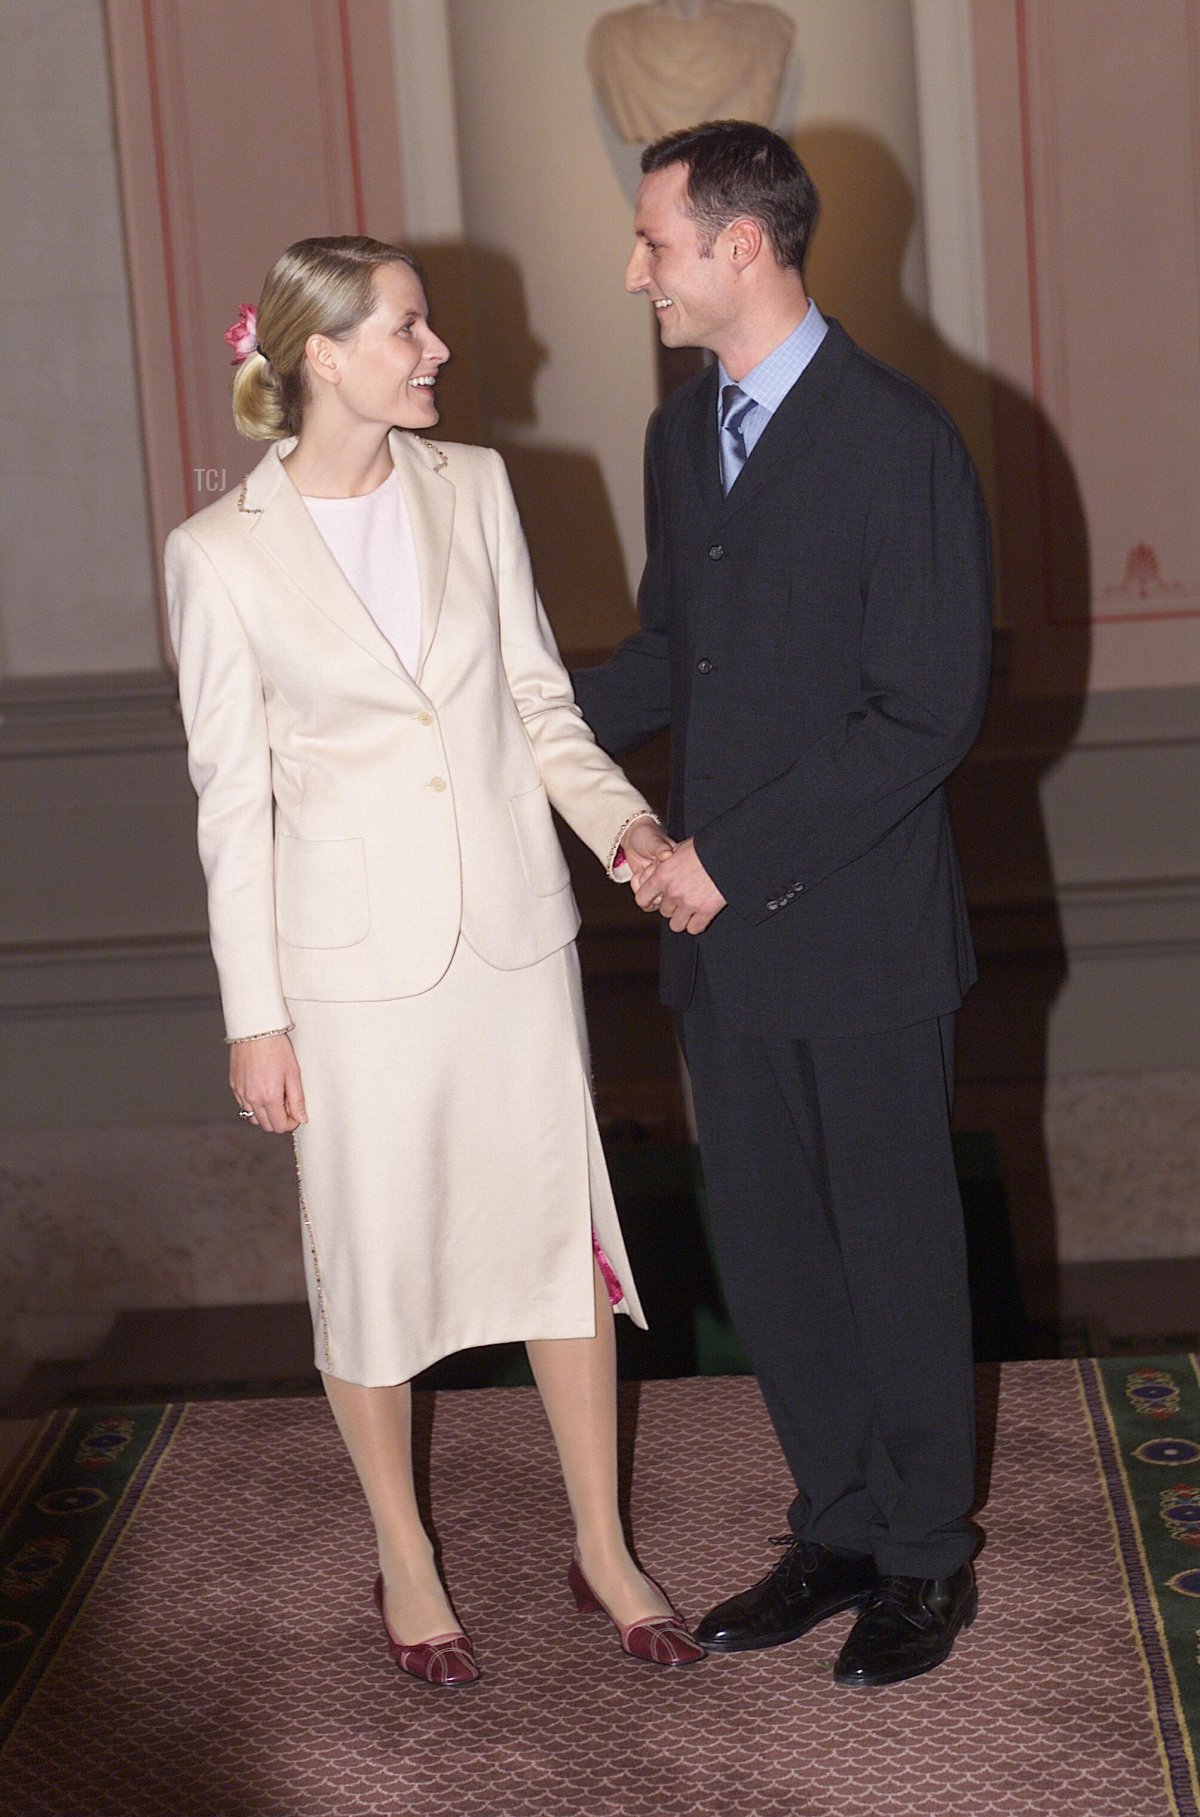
(896, 1593)
(806, 1553)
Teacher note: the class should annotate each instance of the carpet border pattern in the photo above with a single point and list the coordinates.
(1144, 1414)
(63, 1512)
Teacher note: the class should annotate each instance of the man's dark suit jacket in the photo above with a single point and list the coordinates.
(819, 642)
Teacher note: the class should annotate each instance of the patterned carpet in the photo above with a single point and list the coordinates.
(185, 1623)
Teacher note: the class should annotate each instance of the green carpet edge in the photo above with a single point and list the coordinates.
(76, 1490)
(1145, 1419)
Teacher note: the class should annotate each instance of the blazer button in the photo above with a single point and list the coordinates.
(424, 719)
(704, 666)
(772, 906)
(716, 552)
(437, 783)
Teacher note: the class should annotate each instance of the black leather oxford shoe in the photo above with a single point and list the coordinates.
(908, 1627)
(809, 1583)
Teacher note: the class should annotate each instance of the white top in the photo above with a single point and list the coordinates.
(371, 540)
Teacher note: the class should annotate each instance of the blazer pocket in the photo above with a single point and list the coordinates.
(541, 855)
(321, 892)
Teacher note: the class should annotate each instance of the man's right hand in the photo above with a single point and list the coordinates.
(680, 889)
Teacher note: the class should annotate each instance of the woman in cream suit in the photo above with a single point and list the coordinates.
(378, 724)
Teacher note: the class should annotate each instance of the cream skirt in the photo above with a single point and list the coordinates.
(451, 1172)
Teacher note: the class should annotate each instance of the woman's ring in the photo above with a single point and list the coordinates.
(247, 1114)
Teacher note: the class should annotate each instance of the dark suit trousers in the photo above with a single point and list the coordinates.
(839, 1237)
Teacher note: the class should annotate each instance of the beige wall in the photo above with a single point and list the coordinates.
(78, 567)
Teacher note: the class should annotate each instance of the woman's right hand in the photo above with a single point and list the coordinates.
(264, 1076)
(645, 842)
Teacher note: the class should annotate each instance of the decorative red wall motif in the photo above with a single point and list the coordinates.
(1143, 578)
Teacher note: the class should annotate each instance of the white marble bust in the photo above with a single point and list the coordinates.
(674, 63)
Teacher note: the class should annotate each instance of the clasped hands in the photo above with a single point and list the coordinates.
(669, 879)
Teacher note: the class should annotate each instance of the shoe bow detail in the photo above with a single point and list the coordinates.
(665, 1642)
(661, 1641)
(444, 1659)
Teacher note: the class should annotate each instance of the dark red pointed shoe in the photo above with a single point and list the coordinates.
(661, 1641)
(445, 1660)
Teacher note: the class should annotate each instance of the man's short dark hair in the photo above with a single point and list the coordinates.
(736, 168)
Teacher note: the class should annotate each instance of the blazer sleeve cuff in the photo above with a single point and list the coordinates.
(749, 890)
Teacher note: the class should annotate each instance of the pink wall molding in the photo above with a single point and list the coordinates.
(240, 129)
(1089, 134)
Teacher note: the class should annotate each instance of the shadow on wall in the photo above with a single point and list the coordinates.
(489, 396)
(856, 261)
(446, 270)
(1043, 570)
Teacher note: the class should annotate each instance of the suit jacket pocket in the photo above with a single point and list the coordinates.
(321, 892)
(541, 854)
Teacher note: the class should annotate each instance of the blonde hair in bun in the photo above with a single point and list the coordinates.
(316, 287)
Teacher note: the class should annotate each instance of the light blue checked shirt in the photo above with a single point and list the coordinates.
(769, 382)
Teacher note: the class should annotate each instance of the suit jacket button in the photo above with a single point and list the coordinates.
(424, 719)
(437, 783)
(716, 552)
(704, 666)
(772, 905)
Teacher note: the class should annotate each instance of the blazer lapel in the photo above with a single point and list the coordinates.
(795, 424)
(701, 432)
(430, 497)
(280, 523)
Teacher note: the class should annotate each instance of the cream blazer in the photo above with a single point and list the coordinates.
(355, 820)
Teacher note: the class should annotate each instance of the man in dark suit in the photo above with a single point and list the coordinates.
(816, 632)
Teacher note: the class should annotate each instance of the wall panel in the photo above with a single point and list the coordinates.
(240, 130)
(79, 590)
(1089, 116)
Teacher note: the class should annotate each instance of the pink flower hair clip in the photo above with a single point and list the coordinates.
(242, 335)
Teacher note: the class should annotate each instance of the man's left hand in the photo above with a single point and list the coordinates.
(682, 891)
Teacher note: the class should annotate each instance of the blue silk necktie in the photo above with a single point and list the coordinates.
(736, 406)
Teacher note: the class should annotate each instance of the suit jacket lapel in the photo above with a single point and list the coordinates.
(794, 425)
(280, 523)
(701, 432)
(430, 497)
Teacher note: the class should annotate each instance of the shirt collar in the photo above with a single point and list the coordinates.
(769, 382)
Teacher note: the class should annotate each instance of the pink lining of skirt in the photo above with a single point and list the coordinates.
(616, 1292)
